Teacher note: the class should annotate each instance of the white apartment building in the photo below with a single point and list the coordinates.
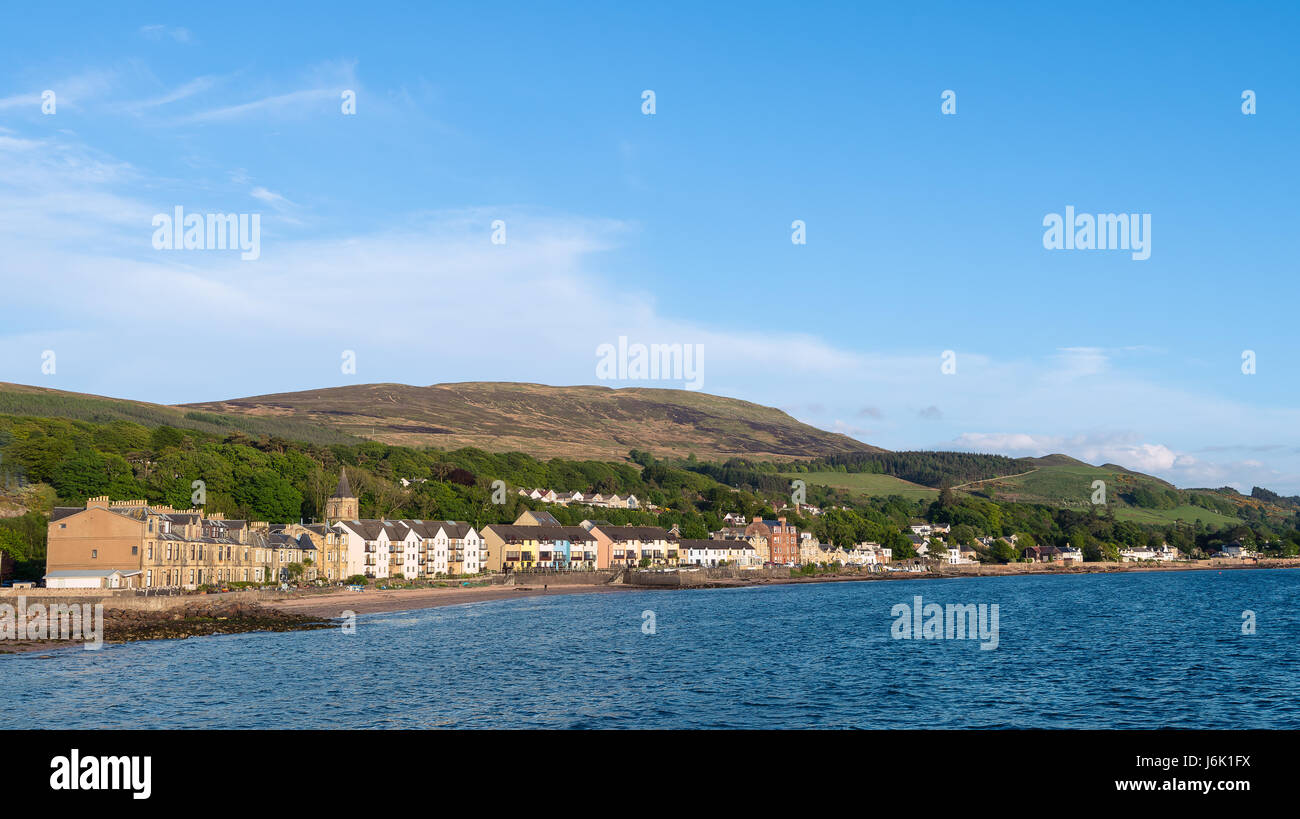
(411, 548)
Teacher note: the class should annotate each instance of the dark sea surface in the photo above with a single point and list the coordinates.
(1131, 650)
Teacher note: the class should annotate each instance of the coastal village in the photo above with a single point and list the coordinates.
(133, 544)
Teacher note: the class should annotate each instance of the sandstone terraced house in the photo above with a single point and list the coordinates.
(782, 539)
(133, 544)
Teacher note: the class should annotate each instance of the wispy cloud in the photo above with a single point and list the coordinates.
(157, 32)
(70, 92)
(196, 86)
(291, 103)
(321, 84)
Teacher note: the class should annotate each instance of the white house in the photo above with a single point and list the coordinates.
(1235, 549)
(456, 543)
(92, 579)
(367, 545)
(1164, 553)
(716, 552)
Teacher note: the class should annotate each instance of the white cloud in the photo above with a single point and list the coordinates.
(432, 299)
(1095, 448)
(157, 32)
(185, 91)
(69, 92)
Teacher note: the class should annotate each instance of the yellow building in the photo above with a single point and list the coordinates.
(137, 545)
(526, 545)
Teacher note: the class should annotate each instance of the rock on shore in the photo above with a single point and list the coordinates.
(202, 619)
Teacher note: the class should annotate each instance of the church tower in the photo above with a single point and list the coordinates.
(342, 505)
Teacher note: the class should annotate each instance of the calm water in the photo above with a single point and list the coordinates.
(1113, 651)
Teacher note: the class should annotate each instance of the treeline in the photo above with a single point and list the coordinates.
(933, 469)
(274, 479)
(1260, 493)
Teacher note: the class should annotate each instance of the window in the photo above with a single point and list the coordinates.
(135, 550)
(94, 553)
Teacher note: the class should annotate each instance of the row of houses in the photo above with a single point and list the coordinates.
(536, 540)
(613, 501)
(133, 543)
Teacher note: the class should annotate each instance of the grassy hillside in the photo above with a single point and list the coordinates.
(19, 399)
(1185, 513)
(866, 484)
(566, 422)
(1064, 482)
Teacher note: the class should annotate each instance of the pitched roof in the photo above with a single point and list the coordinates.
(344, 490)
(694, 543)
(624, 533)
(455, 529)
(507, 531)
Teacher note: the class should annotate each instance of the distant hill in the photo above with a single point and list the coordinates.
(600, 423)
(570, 422)
(20, 399)
(1062, 481)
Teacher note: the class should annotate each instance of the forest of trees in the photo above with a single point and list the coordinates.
(931, 469)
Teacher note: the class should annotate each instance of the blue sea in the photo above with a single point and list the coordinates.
(1132, 650)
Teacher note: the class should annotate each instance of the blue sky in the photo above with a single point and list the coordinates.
(924, 231)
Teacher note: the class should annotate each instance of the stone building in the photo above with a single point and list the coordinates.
(342, 505)
(134, 544)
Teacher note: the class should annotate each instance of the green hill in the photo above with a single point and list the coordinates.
(1061, 481)
(545, 421)
(867, 484)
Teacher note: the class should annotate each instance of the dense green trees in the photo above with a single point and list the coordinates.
(275, 479)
